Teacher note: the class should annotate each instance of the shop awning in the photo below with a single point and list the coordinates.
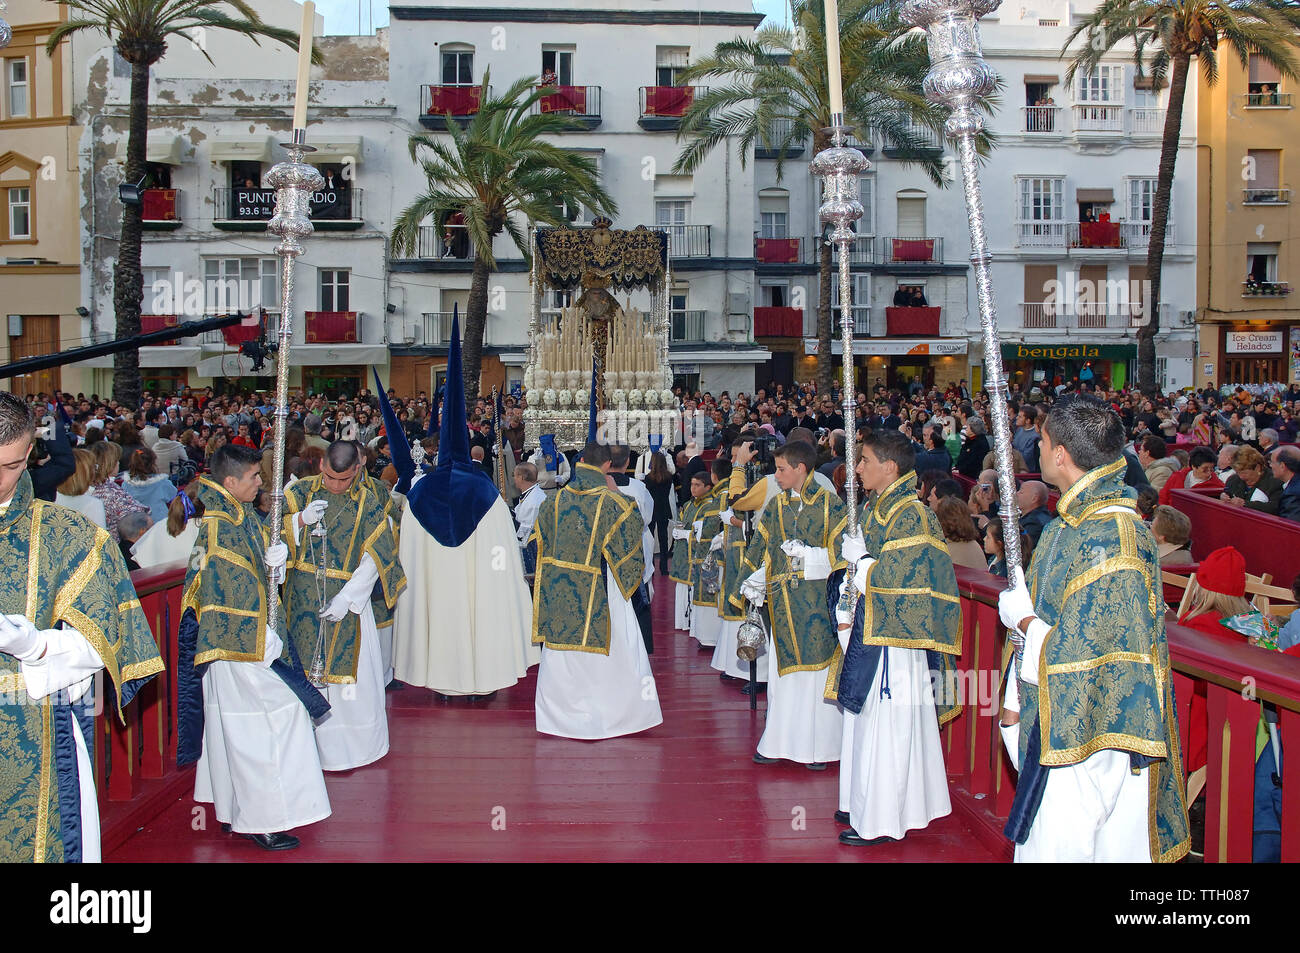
(1105, 196)
(242, 150)
(347, 149)
(161, 148)
(936, 347)
(1049, 78)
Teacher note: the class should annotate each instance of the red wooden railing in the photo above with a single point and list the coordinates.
(158, 322)
(1270, 544)
(1236, 676)
(778, 322)
(330, 327)
(912, 322)
(777, 250)
(135, 764)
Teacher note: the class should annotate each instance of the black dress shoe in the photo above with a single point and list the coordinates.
(759, 687)
(842, 817)
(724, 677)
(759, 759)
(394, 686)
(278, 841)
(817, 766)
(851, 838)
(225, 828)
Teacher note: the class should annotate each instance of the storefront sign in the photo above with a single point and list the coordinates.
(685, 368)
(1068, 352)
(1295, 354)
(1254, 342)
(931, 347)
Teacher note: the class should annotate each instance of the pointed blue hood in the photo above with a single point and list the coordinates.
(591, 410)
(399, 448)
(450, 501)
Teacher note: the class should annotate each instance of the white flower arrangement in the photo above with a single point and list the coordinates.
(620, 398)
(566, 398)
(635, 397)
(548, 397)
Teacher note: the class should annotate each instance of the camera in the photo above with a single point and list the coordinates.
(764, 454)
(822, 433)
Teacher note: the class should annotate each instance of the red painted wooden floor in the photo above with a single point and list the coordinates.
(458, 771)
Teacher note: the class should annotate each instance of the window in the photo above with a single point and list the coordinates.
(1264, 168)
(1262, 82)
(774, 224)
(1102, 85)
(334, 289)
(159, 292)
(557, 67)
(1261, 261)
(775, 294)
(866, 225)
(20, 213)
(861, 303)
(1141, 199)
(16, 82)
(1042, 200)
(241, 284)
(670, 61)
(458, 67)
(674, 216)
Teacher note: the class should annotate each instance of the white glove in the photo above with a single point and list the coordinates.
(726, 516)
(816, 563)
(276, 556)
(716, 542)
(853, 548)
(20, 638)
(793, 547)
(681, 533)
(273, 648)
(1015, 603)
(699, 529)
(339, 607)
(755, 587)
(312, 512)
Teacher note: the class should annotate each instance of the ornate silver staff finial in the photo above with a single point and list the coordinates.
(959, 77)
(6, 31)
(294, 182)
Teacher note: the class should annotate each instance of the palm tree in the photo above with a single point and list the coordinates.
(139, 30)
(494, 169)
(1165, 35)
(780, 73)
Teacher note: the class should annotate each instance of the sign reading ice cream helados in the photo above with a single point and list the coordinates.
(1254, 342)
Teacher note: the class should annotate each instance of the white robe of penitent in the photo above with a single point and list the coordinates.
(464, 623)
(260, 769)
(589, 696)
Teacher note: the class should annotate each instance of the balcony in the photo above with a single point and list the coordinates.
(912, 322)
(159, 322)
(1041, 120)
(1098, 235)
(778, 251)
(1093, 118)
(778, 322)
(1272, 196)
(454, 245)
(1041, 234)
(861, 321)
(911, 251)
(1118, 317)
(1146, 122)
(439, 102)
(249, 209)
(582, 103)
(1266, 100)
(865, 144)
(662, 107)
(686, 327)
(778, 132)
(160, 210)
(1138, 234)
(861, 252)
(687, 241)
(331, 327)
(1252, 288)
(927, 144)
(437, 327)
(236, 334)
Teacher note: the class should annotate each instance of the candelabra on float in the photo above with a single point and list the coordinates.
(959, 77)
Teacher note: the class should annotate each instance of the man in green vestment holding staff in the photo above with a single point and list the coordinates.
(67, 610)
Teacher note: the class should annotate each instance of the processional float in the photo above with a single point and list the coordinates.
(625, 348)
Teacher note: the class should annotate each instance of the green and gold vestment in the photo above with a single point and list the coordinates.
(580, 530)
(357, 525)
(59, 568)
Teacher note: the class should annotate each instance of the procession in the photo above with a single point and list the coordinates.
(552, 573)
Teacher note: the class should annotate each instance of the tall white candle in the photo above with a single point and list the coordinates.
(833, 56)
(304, 65)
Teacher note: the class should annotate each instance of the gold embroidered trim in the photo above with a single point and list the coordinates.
(43, 798)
